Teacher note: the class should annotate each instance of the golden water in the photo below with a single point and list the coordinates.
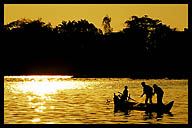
(66, 100)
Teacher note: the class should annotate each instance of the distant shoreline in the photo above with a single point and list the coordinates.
(106, 76)
(129, 76)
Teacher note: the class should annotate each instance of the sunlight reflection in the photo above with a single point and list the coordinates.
(37, 103)
(38, 89)
(42, 85)
(52, 107)
(42, 88)
(35, 120)
(40, 108)
(50, 123)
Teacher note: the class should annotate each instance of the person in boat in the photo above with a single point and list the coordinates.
(148, 91)
(159, 93)
(124, 96)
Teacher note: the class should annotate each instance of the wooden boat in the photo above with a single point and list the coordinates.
(127, 105)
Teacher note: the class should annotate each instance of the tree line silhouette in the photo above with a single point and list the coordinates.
(145, 47)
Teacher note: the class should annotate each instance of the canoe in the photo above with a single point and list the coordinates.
(127, 105)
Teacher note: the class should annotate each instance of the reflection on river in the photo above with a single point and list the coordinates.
(66, 100)
(146, 115)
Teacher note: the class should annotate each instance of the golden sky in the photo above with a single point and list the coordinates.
(175, 15)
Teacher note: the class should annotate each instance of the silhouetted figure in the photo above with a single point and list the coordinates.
(148, 91)
(125, 94)
(159, 93)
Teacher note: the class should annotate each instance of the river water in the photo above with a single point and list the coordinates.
(66, 100)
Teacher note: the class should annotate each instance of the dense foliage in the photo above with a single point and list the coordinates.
(141, 45)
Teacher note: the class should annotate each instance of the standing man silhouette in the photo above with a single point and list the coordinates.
(148, 91)
(159, 93)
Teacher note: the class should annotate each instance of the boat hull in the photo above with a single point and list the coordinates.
(162, 108)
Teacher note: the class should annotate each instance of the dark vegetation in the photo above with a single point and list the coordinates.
(145, 48)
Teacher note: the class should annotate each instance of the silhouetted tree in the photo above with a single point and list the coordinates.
(158, 37)
(72, 28)
(28, 25)
(76, 31)
(144, 43)
(18, 24)
(106, 24)
(145, 32)
(19, 33)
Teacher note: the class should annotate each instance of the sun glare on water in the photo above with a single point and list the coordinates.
(38, 90)
(41, 85)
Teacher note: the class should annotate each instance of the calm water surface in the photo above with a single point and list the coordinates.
(63, 100)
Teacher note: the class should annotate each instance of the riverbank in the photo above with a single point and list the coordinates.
(132, 76)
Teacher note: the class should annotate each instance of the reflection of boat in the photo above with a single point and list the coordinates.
(123, 105)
